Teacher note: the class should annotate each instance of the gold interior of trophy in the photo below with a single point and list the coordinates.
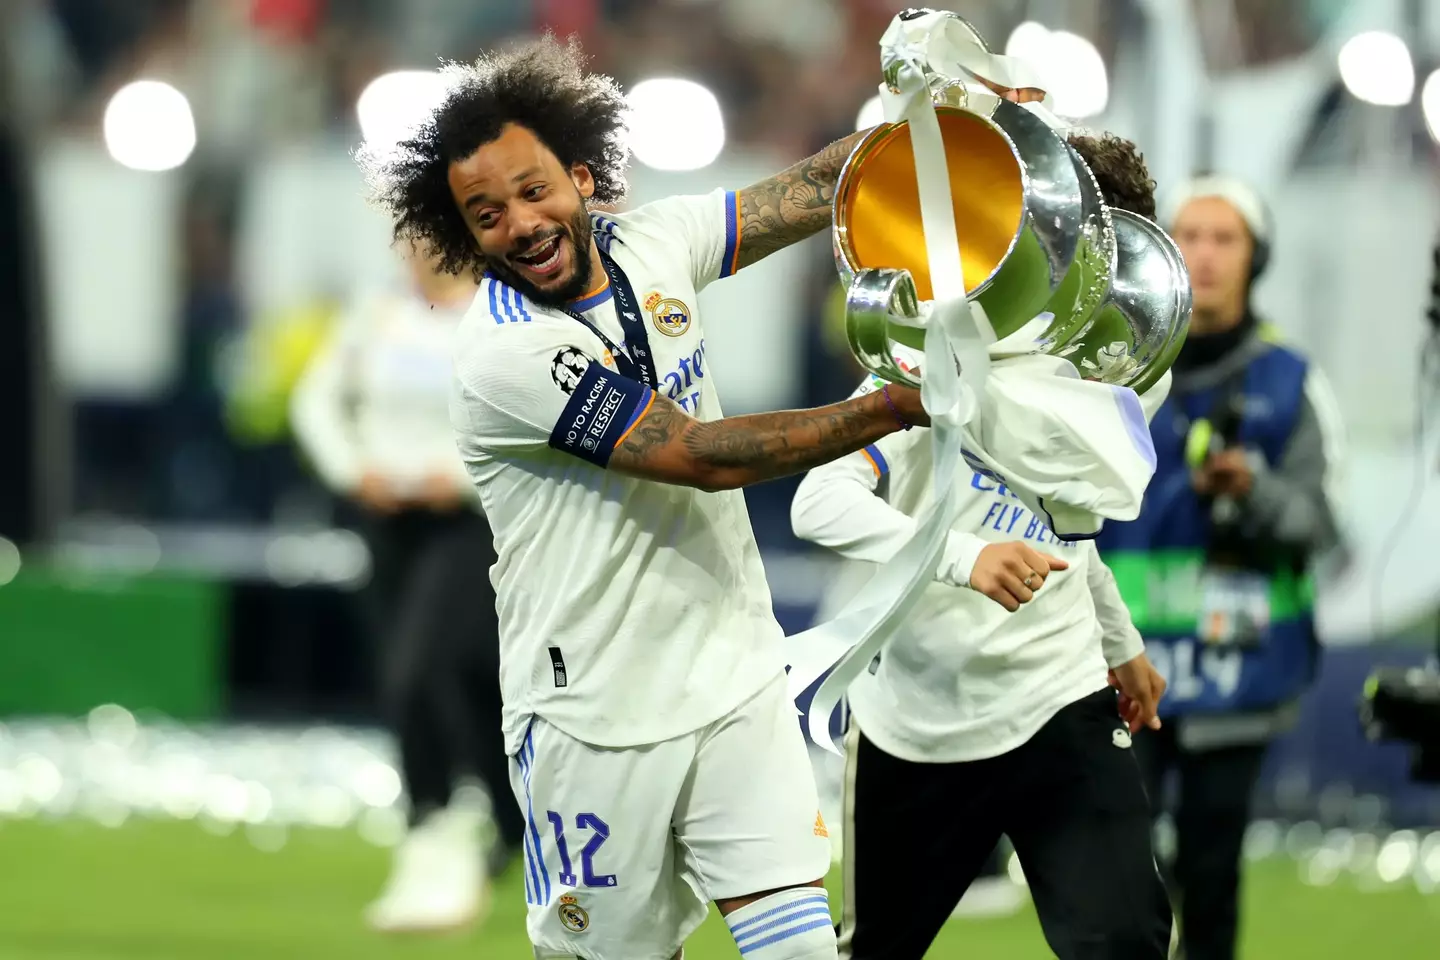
(878, 209)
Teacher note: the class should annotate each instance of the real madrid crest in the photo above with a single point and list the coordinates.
(572, 915)
(671, 316)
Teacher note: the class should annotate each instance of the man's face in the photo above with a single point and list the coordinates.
(527, 214)
(1217, 247)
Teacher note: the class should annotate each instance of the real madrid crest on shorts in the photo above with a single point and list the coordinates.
(572, 915)
(671, 316)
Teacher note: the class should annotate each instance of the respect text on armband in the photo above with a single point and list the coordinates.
(597, 411)
(597, 415)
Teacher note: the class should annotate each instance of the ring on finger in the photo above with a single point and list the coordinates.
(1029, 581)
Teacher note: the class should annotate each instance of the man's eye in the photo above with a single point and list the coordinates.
(534, 193)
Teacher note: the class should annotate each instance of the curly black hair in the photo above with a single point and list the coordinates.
(1120, 169)
(541, 85)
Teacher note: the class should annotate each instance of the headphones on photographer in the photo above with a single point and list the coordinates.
(1247, 202)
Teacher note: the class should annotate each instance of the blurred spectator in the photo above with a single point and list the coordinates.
(371, 412)
(1216, 569)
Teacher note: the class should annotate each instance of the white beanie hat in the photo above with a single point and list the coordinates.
(1239, 194)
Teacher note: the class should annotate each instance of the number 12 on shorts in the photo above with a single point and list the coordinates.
(600, 833)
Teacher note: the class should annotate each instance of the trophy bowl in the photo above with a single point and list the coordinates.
(1033, 232)
(1142, 320)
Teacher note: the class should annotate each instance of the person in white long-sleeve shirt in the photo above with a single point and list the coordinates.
(371, 414)
(994, 710)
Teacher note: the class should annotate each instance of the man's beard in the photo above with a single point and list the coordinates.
(578, 233)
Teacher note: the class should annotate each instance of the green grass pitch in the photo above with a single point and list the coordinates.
(74, 890)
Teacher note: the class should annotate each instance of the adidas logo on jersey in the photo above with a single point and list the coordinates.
(820, 829)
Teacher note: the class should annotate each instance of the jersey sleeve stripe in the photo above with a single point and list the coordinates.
(494, 307)
(520, 305)
(603, 231)
(505, 293)
(511, 297)
(877, 460)
(731, 262)
(640, 411)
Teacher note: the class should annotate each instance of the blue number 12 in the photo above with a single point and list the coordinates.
(601, 833)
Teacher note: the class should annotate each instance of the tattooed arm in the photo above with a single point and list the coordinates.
(793, 204)
(671, 447)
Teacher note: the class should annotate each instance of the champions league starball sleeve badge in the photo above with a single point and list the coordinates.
(1053, 268)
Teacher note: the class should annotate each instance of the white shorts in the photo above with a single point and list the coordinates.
(626, 847)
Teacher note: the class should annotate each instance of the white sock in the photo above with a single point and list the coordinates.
(793, 924)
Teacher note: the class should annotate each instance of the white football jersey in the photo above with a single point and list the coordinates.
(375, 396)
(630, 611)
(964, 679)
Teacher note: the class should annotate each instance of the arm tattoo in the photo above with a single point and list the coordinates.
(670, 446)
(769, 445)
(793, 204)
(661, 424)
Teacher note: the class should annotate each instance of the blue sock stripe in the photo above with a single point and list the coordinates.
(542, 885)
(786, 935)
(788, 920)
(810, 901)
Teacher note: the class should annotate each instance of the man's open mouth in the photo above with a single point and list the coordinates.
(543, 259)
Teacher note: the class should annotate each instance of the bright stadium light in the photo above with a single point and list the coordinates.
(1430, 103)
(871, 114)
(394, 105)
(9, 561)
(1028, 42)
(148, 126)
(674, 124)
(1083, 88)
(1376, 67)
(1070, 67)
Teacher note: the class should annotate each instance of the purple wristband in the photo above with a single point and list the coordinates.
(891, 404)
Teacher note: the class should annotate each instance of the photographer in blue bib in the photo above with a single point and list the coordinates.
(1215, 570)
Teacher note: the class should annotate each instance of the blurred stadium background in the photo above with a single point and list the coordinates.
(189, 758)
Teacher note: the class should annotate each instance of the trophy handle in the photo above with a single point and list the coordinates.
(876, 299)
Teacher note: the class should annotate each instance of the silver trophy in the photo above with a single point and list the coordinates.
(1054, 268)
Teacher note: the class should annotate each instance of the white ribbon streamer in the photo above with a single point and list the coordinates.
(957, 334)
(969, 410)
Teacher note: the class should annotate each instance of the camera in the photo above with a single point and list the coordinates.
(1403, 704)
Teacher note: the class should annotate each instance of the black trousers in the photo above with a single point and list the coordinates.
(1073, 804)
(1212, 813)
(431, 602)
